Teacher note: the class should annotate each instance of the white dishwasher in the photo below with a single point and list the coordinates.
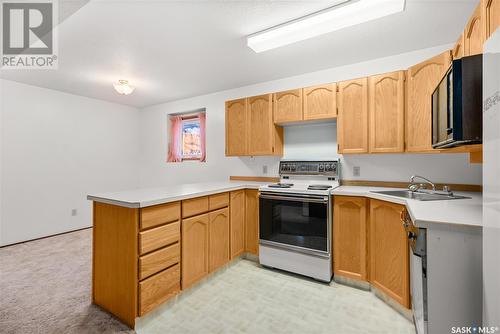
(445, 276)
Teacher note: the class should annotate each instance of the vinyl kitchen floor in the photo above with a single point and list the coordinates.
(45, 288)
(246, 298)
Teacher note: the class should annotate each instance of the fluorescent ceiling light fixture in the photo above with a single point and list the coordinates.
(123, 88)
(343, 14)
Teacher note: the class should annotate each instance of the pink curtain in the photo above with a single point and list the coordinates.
(174, 148)
(203, 146)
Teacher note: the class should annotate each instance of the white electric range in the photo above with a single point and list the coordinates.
(295, 219)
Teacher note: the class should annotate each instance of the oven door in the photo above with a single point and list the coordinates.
(296, 222)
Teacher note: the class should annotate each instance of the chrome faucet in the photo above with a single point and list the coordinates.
(415, 187)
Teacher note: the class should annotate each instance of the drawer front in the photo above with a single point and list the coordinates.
(159, 288)
(160, 214)
(194, 206)
(218, 201)
(157, 261)
(158, 237)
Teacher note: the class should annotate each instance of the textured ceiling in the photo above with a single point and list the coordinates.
(177, 49)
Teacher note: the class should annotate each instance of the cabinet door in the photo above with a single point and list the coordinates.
(389, 251)
(262, 133)
(218, 236)
(252, 221)
(320, 102)
(236, 127)
(349, 237)
(237, 222)
(288, 106)
(458, 50)
(474, 35)
(491, 16)
(352, 122)
(386, 109)
(421, 80)
(194, 249)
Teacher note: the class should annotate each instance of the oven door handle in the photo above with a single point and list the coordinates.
(296, 199)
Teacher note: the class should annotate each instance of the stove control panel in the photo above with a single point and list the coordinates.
(329, 168)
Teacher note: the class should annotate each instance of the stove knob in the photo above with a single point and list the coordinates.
(321, 167)
(328, 168)
(293, 167)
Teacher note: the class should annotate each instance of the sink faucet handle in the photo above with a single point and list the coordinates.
(413, 187)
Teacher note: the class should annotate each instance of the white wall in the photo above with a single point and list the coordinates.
(56, 148)
(305, 141)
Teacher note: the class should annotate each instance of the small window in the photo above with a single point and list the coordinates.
(187, 137)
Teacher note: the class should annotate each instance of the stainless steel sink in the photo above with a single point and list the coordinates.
(419, 196)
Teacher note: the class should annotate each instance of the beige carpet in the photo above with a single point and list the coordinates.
(45, 288)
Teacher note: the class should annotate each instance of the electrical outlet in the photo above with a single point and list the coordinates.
(356, 171)
(264, 169)
(74, 212)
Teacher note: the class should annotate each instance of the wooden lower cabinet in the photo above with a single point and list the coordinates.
(389, 253)
(159, 288)
(370, 244)
(195, 246)
(252, 221)
(218, 239)
(136, 258)
(237, 222)
(350, 237)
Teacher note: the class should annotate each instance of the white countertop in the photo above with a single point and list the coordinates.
(467, 212)
(142, 197)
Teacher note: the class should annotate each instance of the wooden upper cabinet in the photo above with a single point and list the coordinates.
(421, 80)
(350, 237)
(288, 106)
(320, 102)
(237, 222)
(194, 247)
(252, 221)
(218, 253)
(352, 121)
(236, 127)
(389, 265)
(264, 138)
(474, 34)
(491, 16)
(458, 50)
(386, 109)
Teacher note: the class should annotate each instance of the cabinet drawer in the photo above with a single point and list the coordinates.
(158, 288)
(218, 201)
(158, 237)
(194, 206)
(157, 261)
(160, 214)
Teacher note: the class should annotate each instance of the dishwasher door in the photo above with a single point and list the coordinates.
(418, 278)
(417, 293)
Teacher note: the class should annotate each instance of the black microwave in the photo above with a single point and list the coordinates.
(457, 117)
